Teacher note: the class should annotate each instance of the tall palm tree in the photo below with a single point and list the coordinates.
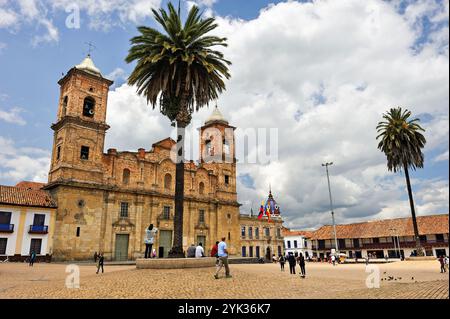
(402, 142)
(180, 70)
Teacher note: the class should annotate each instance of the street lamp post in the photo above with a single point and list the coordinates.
(331, 205)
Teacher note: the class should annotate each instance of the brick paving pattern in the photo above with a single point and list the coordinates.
(418, 280)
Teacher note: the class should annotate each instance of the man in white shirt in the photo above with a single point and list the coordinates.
(222, 252)
(199, 252)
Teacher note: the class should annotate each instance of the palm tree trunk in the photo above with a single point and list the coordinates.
(177, 249)
(413, 212)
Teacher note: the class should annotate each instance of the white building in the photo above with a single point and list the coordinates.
(297, 242)
(27, 220)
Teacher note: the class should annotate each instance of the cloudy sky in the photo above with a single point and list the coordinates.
(320, 72)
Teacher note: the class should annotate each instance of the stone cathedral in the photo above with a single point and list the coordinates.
(105, 201)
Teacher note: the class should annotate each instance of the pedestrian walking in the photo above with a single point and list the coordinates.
(222, 252)
(95, 257)
(442, 262)
(333, 260)
(32, 258)
(199, 251)
(282, 261)
(301, 262)
(292, 263)
(100, 262)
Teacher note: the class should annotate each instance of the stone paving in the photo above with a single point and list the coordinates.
(408, 280)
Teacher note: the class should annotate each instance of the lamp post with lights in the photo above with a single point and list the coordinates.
(331, 205)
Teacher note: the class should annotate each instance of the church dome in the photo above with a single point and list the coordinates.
(216, 117)
(88, 66)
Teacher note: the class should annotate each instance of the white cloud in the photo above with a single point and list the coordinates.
(323, 73)
(102, 14)
(2, 46)
(441, 157)
(8, 18)
(12, 116)
(18, 164)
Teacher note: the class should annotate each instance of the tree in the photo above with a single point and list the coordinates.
(180, 70)
(402, 142)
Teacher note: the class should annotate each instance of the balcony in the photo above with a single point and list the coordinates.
(38, 229)
(6, 228)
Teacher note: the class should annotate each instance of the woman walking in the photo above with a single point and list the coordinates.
(292, 263)
(301, 262)
(100, 262)
(282, 261)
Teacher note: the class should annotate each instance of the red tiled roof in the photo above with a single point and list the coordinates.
(25, 197)
(305, 233)
(434, 224)
(30, 185)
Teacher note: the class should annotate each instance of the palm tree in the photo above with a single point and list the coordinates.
(402, 142)
(179, 70)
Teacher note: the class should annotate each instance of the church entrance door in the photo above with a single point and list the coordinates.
(165, 243)
(121, 252)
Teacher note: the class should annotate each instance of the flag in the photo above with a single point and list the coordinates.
(268, 213)
(261, 211)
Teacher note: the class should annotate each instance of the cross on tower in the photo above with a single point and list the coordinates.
(91, 47)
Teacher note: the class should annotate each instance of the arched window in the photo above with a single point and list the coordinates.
(126, 176)
(168, 182)
(64, 106)
(89, 107)
(201, 188)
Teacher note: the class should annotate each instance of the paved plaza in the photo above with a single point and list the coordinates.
(408, 279)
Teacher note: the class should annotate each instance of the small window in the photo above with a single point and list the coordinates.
(58, 153)
(257, 232)
(89, 107)
(78, 231)
(295, 244)
(227, 179)
(278, 232)
(250, 251)
(244, 251)
(126, 176)
(288, 244)
(201, 216)
(226, 147)
(3, 242)
(229, 236)
(440, 237)
(5, 218)
(64, 106)
(84, 154)
(376, 240)
(267, 232)
(250, 232)
(209, 148)
(39, 220)
(123, 210)
(166, 212)
(243, 231)
(201, 188)
(168, 182)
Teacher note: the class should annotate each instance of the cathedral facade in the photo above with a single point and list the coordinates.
(105, 201)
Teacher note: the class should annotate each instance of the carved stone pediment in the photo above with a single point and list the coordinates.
(201, 226)
(123, 224)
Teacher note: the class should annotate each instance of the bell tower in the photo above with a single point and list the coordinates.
(79, 132)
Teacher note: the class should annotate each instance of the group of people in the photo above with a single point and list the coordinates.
(293, 261)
